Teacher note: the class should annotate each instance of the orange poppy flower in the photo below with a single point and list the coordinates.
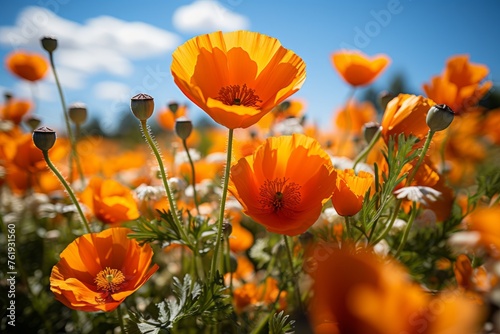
(111, 202)
(352, 117)
(406, 114)
(28, 66)
(14, 110)
(236, 77)
(264, 293)
(350, 190)
(167, 116)
(485, 221)
(357, 69)
(284, 184)
(472, 279)
(98, 271)
(460, 85)
(373, 295)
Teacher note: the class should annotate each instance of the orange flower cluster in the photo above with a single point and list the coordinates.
(357, 292)
(461, 85)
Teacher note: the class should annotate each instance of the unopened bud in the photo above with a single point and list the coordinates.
(384, 98)
(173, 107)
(370, 129)
(33, 122)
(439, 117)
(142, 105)
(227, 229)
(233, 264)
(78, 113)
(306, 238)
(49, 43)
(44, 138)
(7, 96)
(283, 106)
(183, 127)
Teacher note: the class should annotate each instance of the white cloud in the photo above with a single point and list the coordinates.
(101, 44)
(39, 91)
(111, 90)
(203, 16)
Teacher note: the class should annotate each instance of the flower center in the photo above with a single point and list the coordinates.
(109, 280)
(240, 96)
(278, 196)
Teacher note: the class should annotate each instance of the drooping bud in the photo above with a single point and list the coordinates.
(183, 127)
(227, 229)
(33, 122)
(78, 113)
(49, 43)
(142, 106)
(283, 106)
(439, 117)
(44, 138)
(369, 130)
(7, 96)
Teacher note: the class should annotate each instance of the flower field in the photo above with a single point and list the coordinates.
(385, 223)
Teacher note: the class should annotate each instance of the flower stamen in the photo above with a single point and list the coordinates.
(278, 196)
(234, 95)
(109, 280)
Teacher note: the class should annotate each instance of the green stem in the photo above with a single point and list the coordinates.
(348, 224)
(184, 143)
(74, 153)
(408, 182)
(294, 275)
(228, 265)
(68, 190)
(262, 324)
(407, 229)
(215, 259)
(120, 318)
(171, 202)
(368, 148)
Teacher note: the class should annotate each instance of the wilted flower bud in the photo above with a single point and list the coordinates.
(173, 107)
(183, 127)
(142, 105)
(49, 43)
(439, 117)
(283, 106)
(369, 130)
(78, 113)
(33, 122)
(44, 138)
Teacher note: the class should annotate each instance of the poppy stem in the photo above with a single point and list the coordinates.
(74, 153)
(213, 266)
(421, 157)
(68, 190)
(407, 229)
(193, 175)
(294, 275)
(120, 319)
(368, 148)
(152, 144)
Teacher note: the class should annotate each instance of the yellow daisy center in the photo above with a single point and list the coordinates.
(279, 196)
(240, 96)
(109, 280)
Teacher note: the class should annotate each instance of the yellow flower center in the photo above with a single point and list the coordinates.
(240, 96)
(279, 196)
(109, 279)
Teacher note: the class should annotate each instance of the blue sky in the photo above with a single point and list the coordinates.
(111, 50)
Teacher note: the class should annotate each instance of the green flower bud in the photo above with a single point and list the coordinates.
(49, 43)
(173, 107)
(33, 122)
(78, 113)
(369, 130)
(439, 117)
(142, 105)
(183, 127)
(44, 138)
